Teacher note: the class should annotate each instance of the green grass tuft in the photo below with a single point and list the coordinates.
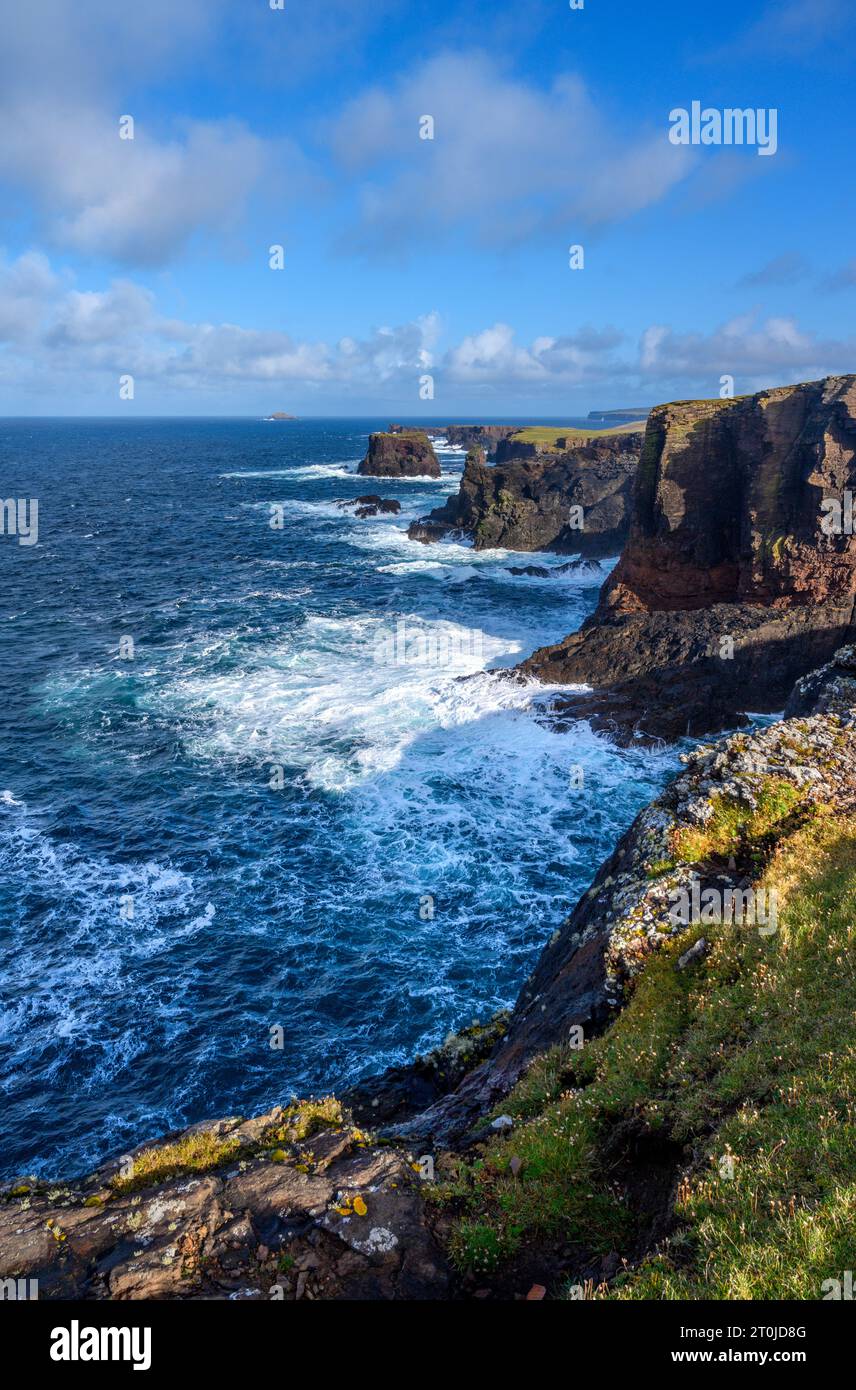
(194, 1153)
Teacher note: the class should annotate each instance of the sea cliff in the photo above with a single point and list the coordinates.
(735, 579)
(572, 502)
(668, 1109)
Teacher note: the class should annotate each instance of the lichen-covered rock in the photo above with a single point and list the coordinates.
(408, 454)
(329, 1216)
(832, 687)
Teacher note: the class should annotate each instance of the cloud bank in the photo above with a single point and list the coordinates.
(52, 332)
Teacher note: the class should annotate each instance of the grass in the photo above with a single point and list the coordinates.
(748, 1057)
(562, 1188)
(193, 1153)
(734, 824)
(547, 436)
(769, 1065)
(303, 1119)
(202, 1151)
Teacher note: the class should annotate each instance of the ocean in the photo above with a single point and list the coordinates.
(245, 795)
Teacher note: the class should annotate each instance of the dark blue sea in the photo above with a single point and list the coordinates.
(242, 786)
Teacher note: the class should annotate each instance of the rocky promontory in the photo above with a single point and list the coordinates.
(408, 454)
(739, 574)
(575, 502)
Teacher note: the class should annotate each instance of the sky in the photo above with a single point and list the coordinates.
(412, 265)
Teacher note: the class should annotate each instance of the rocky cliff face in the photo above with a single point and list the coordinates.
(729, 587)
(404, 455)
(577, 502)
(487, 437)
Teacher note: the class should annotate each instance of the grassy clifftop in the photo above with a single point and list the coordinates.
(547, 437)
(704, 1147)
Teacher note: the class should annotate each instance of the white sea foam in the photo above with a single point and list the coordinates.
(326, 703)
(84, 947)
(346, 468)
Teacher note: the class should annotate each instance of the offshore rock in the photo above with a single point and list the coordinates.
(405, 455)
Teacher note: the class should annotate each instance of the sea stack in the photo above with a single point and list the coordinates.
(407, 454)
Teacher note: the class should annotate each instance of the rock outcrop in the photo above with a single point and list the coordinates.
(733, 582)
(577, 502)
(405, 455)
(369, 505)
(292, 1204)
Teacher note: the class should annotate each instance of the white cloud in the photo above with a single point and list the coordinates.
(48, 328)
(508, 159)
(65, 338)
(137, 201)
(757, 353)
(26, 287)
(65, 70)
(666, 364)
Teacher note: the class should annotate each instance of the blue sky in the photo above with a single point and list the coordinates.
(404, 257)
